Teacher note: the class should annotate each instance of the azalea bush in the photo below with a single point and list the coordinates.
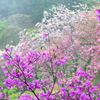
(21, 73)
(64, 61)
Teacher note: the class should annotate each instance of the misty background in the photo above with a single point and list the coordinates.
(16, 15)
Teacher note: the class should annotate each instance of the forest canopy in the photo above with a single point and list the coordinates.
(35, 8)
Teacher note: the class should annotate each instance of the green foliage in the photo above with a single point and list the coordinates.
(3, 24)
(19, 19)
(39, 75)
(13, 96)
(32, 32)
(10, 28)
(9, 34)
(96, 79)
(11, 92)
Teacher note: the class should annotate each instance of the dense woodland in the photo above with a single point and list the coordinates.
(35, 8)
(16, 15)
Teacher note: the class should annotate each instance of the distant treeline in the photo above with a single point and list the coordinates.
(35, 8)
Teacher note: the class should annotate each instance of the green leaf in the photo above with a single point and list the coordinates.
(54, 55)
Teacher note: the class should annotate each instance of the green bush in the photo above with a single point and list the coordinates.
(17, 19)
(3, 24)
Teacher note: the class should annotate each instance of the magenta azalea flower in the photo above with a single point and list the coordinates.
(45, 35)
(98, 84)
(98, 10)
(25, 97)
(1, 95)
(98, 17)
(98, 98)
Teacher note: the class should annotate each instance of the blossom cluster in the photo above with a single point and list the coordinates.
(20, 70)
(98, 10)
